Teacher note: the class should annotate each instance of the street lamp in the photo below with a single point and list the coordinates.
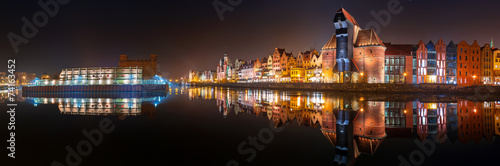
(299, 77)
(404, 79)
(474, 81)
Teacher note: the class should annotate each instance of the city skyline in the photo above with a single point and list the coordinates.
(97, 37)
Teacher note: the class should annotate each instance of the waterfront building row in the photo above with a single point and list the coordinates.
(356, 55)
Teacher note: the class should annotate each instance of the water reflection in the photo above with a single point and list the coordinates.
(124, 104)
(355, 124)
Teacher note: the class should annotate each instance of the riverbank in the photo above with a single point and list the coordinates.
(369, 88)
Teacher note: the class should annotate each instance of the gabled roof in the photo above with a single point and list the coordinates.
(451, 44)
(368, 37)
(331, 44)
(307, 56)
(348, 16)
(430, 46)
(280, 50)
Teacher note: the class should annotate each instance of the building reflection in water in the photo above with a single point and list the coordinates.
(102, 103)
(355, 125)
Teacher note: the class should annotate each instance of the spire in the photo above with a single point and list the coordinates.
(492, 42)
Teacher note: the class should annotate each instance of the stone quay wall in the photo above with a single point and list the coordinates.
(369, 88)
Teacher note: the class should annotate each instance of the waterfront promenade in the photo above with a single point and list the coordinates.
(369, 88)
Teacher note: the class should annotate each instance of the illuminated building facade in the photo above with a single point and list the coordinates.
(496, 63)
(98, 76)
(150, 67)
(431, 60)
(398, 63)
(451, 63)
(45, 76)
(3, 78)
(475, 59)
(487, 62)
(224, 69)
(355, 51)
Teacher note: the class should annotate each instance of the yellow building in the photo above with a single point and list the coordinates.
(496, 65)
(298, 75)
(487, 65)
(45, 76)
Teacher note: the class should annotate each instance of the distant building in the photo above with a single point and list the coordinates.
(487, 65)
(150, 66)
(99, 76)
(496, 69)
(468, 63)
(475, 58)
(224, 69)
(21, 78)
(3, 78)
(432, 62)
(451, 63)
(398, 63)
(45, 76)
(359, 54)
(194, 76)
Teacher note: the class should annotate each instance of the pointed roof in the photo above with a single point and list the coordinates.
(368, 37)
(280, 50)
(347, 16)
(451, 45)
(430, 46)
(331, 44)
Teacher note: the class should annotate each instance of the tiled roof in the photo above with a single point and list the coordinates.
(331, 44)
(398, 49)
(348, 16)
(368, 37)
(280, 50)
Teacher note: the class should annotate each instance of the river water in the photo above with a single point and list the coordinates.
(225, 126)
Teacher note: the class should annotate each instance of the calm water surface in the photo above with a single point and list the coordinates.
(221, 126)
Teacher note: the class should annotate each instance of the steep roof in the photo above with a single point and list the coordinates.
(368, 37)
(280, 50)
(430, 46)
(451, 44)
(331, 44)
(348, 16)
(398, 49)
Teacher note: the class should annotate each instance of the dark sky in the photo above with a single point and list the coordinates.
(188, 34)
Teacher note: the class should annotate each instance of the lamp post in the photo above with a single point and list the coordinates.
(474, 81)
(404, 81)
(299, 78)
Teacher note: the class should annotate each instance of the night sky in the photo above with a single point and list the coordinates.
(188, 34)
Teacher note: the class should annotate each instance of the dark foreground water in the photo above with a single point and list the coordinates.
(221, 126)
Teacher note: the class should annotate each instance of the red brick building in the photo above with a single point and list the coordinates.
(150, 66)
(468, 64)
(398, 63)
(353, 55)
